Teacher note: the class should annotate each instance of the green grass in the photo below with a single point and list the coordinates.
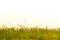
(29, 34)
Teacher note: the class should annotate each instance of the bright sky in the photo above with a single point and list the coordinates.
(30, 12)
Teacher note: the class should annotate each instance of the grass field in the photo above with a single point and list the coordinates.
(29, 34)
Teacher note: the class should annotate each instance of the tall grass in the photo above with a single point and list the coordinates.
(29, 34)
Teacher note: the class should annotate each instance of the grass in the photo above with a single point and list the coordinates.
(29, 34)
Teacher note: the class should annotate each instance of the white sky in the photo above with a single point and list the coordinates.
(30, 12)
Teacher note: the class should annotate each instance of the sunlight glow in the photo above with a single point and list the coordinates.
(30, 12)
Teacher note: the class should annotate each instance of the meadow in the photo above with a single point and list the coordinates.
(29, 34)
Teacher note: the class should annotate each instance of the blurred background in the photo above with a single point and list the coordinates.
(30, 13)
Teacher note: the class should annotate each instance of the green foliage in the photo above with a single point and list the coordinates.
(29, 34)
